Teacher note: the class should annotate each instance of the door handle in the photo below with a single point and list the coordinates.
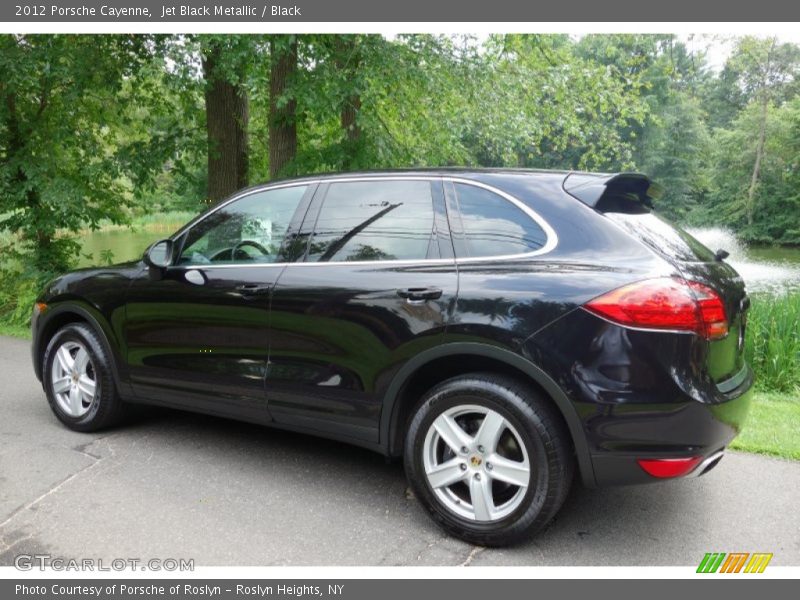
(194, 276)
(419, 293)
(253, 289)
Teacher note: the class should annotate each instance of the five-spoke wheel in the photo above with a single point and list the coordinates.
(78, 379)
(73, 379)
(476, 463)
(488, 457)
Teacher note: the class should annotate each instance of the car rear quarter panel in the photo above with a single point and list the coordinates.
(638, 394)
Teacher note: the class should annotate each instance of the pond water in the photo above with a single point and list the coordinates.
(124, 243)
(770, 269)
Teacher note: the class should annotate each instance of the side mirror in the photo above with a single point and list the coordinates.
(159, 255)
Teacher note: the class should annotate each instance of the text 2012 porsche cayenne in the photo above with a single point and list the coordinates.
(497, 329)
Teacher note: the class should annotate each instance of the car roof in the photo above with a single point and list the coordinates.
(464, 172)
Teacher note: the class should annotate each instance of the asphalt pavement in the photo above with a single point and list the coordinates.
(176, 485)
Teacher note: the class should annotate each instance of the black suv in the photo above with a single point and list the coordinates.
(498, 329)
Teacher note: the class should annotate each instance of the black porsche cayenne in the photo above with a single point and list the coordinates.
(497, 329)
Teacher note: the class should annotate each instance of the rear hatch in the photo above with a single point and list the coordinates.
(627, 199)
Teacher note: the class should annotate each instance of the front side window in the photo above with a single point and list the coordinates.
(247, 230)
(374, 221)
(493, 226)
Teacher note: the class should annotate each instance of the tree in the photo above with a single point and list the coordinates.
(672, 145)
(723, 98)
(732, 159)
(335, 69)
(282, 105)
(62, 166)
(764, 68)
(673, 151)
(347, 52)
(540, 103)
(224, 62)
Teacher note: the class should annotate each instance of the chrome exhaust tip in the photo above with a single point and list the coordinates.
(708, 463)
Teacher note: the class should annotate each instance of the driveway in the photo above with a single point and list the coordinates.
(175, 485)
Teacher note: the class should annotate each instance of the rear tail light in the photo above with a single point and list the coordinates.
(665, 303)
(669, 467)
(712, 311)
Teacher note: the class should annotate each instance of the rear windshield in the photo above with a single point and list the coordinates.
(661, 235)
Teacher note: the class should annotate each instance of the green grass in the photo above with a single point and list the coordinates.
(16, 331)
(773, 342)
(772, 427)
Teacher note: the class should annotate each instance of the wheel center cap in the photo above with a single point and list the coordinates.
(475, 461)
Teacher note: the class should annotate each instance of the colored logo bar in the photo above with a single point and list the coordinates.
(735, 562)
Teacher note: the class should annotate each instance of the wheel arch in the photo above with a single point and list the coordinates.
(59, 316)
(458, 358)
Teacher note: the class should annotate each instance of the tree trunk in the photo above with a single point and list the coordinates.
(227, 116)
(348, 60)
(349, 118)
(762, 134)
(43, 259)
(282, 123)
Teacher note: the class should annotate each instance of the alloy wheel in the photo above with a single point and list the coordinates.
(476, 463)
(73, 379)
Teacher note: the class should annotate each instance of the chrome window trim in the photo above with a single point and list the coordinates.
(552, 238)
(550, 243)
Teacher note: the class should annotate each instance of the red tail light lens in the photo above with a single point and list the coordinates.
(665, 303)
(669, 467)
(712, 311)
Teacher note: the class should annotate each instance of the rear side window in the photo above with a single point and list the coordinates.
(493, 226)
(666, 238)
(374, 221)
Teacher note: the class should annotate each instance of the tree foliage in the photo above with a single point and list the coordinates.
(57, 148)
(755, 159)
(94, 129)
(777, 198)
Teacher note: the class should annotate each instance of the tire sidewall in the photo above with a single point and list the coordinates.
(530, 429)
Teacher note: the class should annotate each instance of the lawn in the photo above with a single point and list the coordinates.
(773, 426)
(17, 331)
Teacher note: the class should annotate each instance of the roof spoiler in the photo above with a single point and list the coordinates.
(591, 188)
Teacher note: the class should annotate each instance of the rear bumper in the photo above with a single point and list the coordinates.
(714, 427)
(640, 396)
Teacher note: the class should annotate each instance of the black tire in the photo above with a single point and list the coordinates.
(540, 428)
(107, 408)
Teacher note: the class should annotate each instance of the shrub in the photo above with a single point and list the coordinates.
(773, 341)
